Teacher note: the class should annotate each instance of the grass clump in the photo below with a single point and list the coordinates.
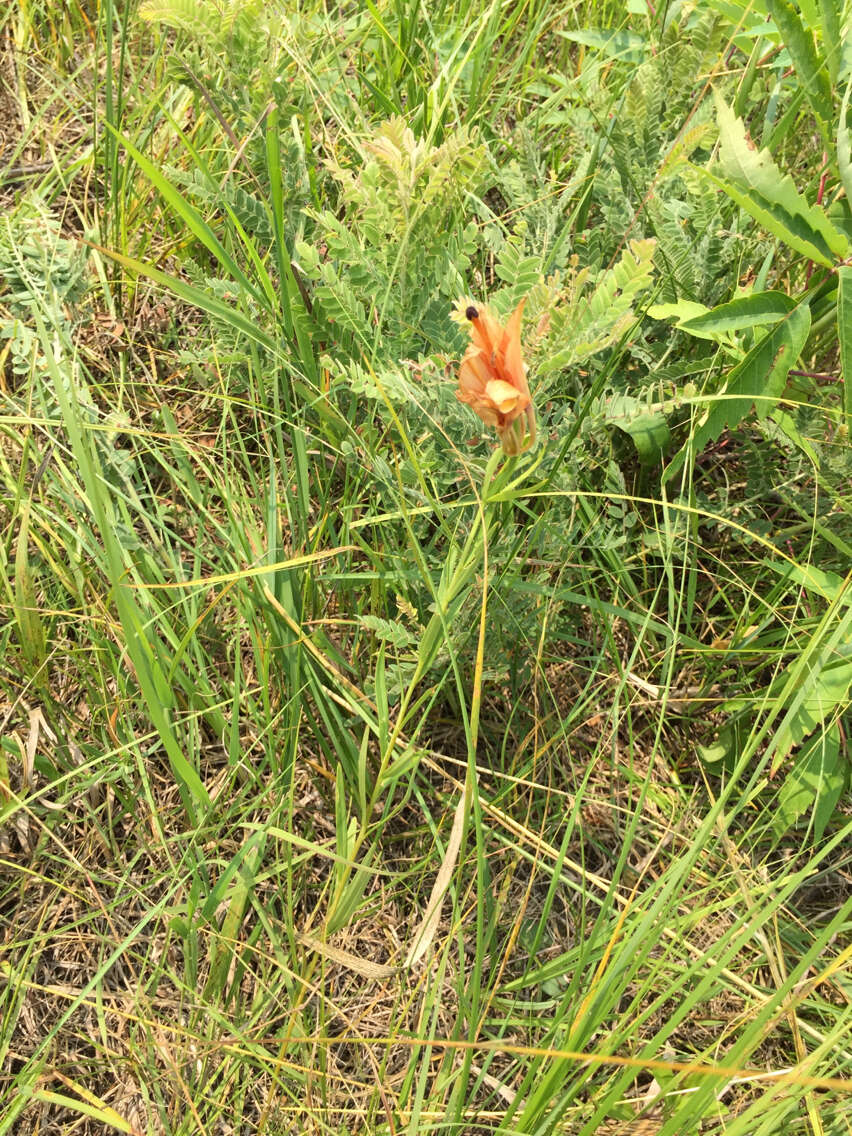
(354, 776)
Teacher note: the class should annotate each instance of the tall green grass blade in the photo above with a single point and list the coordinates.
(144, 655)
(198, 298)
(243, 871)
(30, 624)
(844, 338)
(812, 71)
(844, 149)
(190, 216)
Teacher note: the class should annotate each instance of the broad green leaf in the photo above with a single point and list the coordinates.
(767, 366)
(681, 311)
(829, 585)
(745, 311)
(753, 180)
(811, 71)
(834, 777)
(648, 429)
(844, 336)
(817, 779)
(720, 749)
(823, 690)
(757, 381)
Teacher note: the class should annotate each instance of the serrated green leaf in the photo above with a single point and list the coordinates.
(648, 429)
(817, 779)
(753, 180)
(822, 691)
(788, 227)
(760, 378)
(811, 71)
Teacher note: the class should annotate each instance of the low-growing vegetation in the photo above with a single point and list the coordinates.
(374, 760)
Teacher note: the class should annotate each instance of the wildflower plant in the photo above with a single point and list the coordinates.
(492, 376)
(357, 660)
(385, 271)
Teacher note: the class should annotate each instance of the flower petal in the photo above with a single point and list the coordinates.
(474, 372)
(480, 406)
(510, 351)
(486, 332)
(504, 396)
(492, 375)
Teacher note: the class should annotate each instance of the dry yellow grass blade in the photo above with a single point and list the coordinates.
(432, 916)
(362, 966)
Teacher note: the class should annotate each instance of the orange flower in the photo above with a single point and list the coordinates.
(493, 380)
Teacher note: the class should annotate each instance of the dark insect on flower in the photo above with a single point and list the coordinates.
(471, 313)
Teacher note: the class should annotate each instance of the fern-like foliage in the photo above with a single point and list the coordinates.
(39, 270)
(519, 268)
(249, 210)
(226, 53)
(397, 251)
(36, 258)
(582, 316)
(44, 273)
(210, 21)
(537, 205)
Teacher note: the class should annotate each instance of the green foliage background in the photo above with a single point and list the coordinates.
(353, 777)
